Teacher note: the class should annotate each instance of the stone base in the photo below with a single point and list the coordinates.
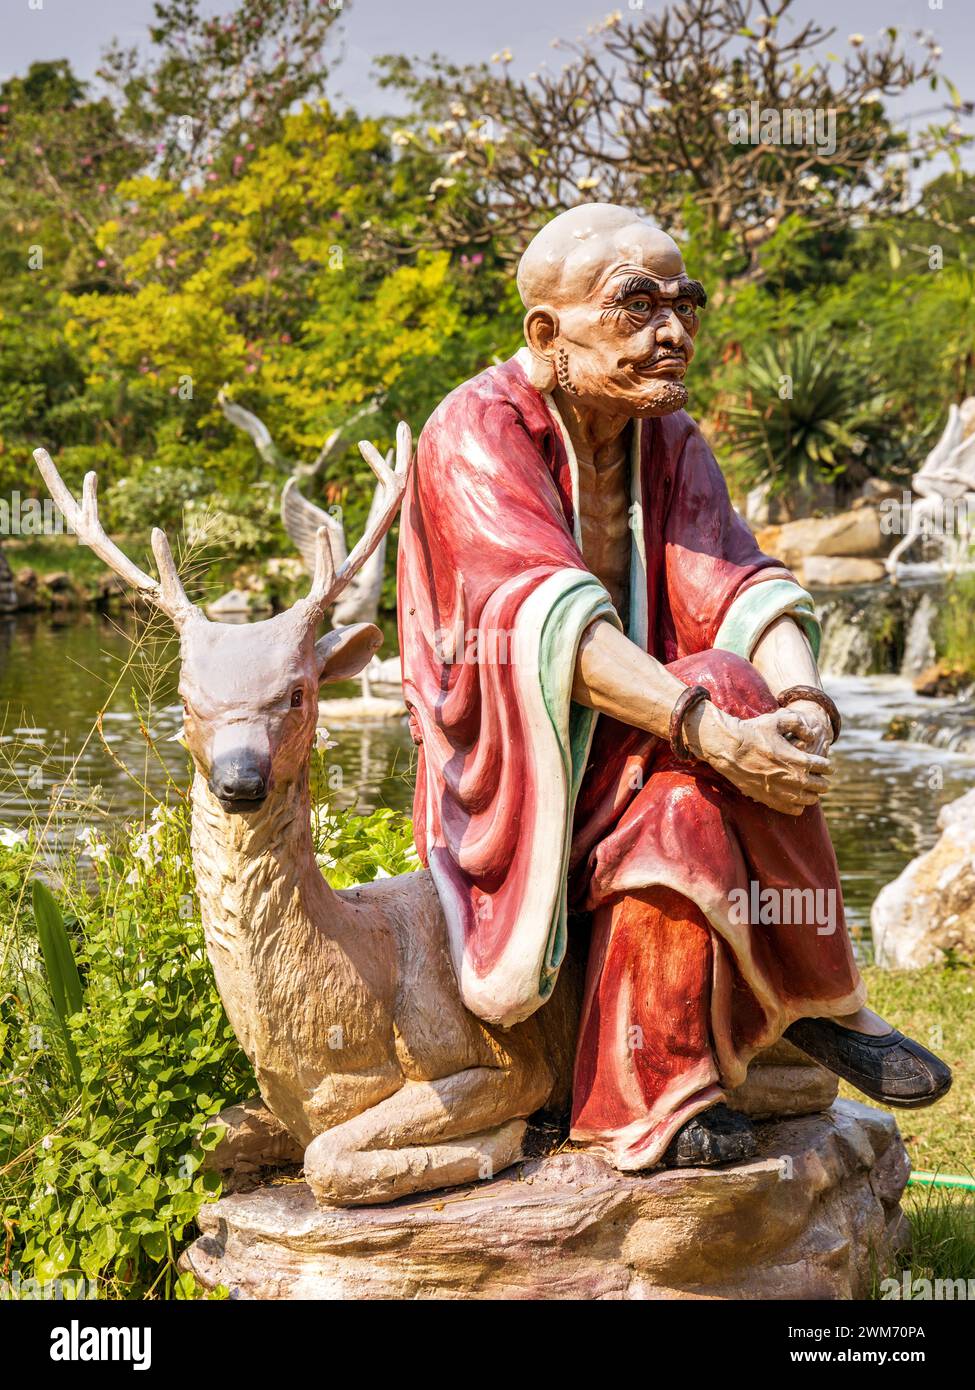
(815, 1216)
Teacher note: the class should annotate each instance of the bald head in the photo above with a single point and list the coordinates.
(574, 252)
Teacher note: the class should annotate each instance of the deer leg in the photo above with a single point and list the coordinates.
(458, 1129)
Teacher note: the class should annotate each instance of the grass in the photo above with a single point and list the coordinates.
(936, 1007)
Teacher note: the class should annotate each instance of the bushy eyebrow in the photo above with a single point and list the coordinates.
(644, 284)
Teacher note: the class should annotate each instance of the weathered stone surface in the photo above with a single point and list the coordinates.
(930, 907)
(254, 1139)
(830, 571)
(942, 679)
(813, 1216)
(784, 1081)
(855, 533)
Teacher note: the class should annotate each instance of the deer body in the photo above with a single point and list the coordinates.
(346, 1003)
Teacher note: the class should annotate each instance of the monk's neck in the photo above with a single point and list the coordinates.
(598, 437)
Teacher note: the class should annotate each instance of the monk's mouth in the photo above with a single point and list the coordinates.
(670, 365)
(662, 366)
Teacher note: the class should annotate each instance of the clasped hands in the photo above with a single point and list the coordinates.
(780, 759)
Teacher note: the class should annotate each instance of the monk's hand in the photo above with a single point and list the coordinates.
(766, 757)
(816, 733)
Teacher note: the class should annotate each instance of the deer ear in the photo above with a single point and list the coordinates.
(343, 652)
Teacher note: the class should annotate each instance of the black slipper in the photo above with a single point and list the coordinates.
(716, 1135)
(891, 1069)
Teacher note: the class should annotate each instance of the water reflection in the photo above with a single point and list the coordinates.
(56, 675)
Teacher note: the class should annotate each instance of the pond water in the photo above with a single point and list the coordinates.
(56, 675)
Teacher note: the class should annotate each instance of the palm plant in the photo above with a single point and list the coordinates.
(806, 413)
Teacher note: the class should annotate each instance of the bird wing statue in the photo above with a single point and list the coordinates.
(949, 469)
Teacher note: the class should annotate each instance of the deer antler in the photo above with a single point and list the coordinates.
(328, 583)
(167, 593)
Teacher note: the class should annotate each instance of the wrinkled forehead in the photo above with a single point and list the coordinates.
(595, 263)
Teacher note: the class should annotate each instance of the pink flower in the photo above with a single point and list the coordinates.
(101, 264)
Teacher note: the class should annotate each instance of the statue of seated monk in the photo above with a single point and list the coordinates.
(619, 715)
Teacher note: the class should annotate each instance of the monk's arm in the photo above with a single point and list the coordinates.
(783, 657)
(614, 677)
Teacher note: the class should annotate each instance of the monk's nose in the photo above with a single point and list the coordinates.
(240, 775)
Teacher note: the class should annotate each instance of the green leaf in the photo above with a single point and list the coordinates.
(59, 962)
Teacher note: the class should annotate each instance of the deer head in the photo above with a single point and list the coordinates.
(250, 693)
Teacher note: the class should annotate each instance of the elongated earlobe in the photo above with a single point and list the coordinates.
(541, 372)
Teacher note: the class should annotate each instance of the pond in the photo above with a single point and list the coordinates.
(56, 675)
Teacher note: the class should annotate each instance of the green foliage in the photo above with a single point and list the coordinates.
(310, 261)
(806, 413)
(63, 979)
(100, 1169)
(955, 633)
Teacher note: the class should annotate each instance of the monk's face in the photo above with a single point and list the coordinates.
(625, 321)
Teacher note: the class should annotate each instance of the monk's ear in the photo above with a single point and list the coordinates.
(541, 335)
(342, 653)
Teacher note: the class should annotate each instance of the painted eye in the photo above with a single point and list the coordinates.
(642, 306)
(686, 308)
(296, 699)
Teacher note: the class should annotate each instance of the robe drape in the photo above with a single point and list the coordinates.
(515, 804)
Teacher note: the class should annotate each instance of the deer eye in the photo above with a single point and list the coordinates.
(297, 697)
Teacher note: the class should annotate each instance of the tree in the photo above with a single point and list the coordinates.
(215, 86)
(697, 107)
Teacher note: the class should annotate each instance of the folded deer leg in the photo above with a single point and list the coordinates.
(460, 1128)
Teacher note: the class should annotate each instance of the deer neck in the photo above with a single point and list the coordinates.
(265, 906)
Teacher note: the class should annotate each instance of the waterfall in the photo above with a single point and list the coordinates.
(878, 629)
(919, 651)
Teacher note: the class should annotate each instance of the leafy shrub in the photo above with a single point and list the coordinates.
(101, 1177)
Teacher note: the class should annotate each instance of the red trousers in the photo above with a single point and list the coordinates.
(680, 992)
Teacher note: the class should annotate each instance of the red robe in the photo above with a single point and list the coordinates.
(519, 808)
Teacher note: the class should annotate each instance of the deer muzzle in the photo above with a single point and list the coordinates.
(239, 779)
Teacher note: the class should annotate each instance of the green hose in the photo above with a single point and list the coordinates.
(937, 1180)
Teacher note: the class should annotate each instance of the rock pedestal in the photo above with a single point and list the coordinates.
(814, 1216)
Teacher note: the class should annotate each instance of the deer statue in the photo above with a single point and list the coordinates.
(346, 1002)
(302, 520)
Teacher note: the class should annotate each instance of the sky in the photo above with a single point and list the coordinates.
(463, 30)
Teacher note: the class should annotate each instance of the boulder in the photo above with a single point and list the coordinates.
(253, 1139)
(829, 571)
(783, 1081)
(930, 908)
(815, 1215)
(942, 679)
(856, 532)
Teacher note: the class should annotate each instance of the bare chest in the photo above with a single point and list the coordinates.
(604, 509)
